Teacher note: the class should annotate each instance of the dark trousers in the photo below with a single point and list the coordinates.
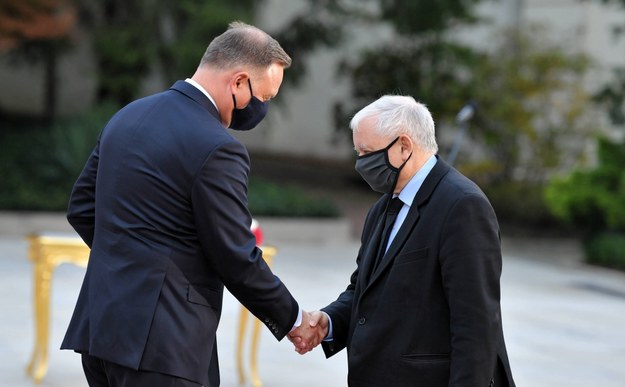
(102, 373)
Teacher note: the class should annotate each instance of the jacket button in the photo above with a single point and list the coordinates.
(362, 321)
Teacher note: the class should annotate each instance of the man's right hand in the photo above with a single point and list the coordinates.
(310, 333)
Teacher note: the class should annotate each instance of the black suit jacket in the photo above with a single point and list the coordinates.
(430, 314)
(162, 202)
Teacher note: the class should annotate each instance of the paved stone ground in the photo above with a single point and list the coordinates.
(563, 320)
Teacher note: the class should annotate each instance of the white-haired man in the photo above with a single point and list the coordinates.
(423, 306)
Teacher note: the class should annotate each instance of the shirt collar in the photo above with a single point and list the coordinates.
(409, 192)
(200, 88)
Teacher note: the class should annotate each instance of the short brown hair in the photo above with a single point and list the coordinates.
(243, 44)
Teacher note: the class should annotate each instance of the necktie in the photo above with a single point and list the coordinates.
(389, 220)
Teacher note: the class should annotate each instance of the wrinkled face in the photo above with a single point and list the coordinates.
(366, 140)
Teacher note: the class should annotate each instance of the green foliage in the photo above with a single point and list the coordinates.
(269, 199)
(320, 24)
(415, 17)
(606, 249)
(421, 60)
(132, 38)
(429, 64)
(39, 164)
(122, 57)
(520, 203)
(72, 141)
(186, 27)
(593, 200)
(20, 159)
(612, 95)
(533, 117)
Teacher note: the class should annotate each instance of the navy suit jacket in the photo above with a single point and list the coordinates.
(162, 203)
(429, 315)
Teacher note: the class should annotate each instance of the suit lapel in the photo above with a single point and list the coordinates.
(369, 255)
(399, 240)
(195, 94)
(406, 229)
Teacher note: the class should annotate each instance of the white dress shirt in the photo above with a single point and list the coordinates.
(200, 88)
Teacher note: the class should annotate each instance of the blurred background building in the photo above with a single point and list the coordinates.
(304, 124)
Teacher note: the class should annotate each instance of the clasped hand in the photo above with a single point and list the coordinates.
(310, 333)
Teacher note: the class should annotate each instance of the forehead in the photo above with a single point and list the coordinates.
(365, 137)
(270, 80)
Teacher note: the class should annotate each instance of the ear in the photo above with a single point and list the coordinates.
(238, 80)
(407, 146)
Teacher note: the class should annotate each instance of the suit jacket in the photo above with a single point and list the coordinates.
(162, 202)
(430, 314)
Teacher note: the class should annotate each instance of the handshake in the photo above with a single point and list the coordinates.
(310, 333)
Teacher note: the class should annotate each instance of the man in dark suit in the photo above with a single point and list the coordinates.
(162, 203)
(422, 307)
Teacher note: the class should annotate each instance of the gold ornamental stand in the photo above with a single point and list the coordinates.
(268, 254)
(47, 251)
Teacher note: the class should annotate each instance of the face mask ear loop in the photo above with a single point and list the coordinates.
(249, 84)
(234, 99)
(386, 158)
(398, 173)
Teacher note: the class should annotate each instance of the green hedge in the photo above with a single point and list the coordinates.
(271, 199)
(593, 199)
(606, 249)
(522, 204)
(40, 163)
(594, 202)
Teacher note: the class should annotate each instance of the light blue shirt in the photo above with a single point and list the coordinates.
(407, 196)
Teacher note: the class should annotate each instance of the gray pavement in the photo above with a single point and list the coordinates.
(564, 321)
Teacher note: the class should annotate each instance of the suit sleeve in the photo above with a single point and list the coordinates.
(219, 200)
(81, 207)
(340, 311)
(470, 259)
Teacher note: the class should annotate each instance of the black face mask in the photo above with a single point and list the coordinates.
(251, 115)
(377, 171)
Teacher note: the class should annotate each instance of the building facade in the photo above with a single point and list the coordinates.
(302, 125)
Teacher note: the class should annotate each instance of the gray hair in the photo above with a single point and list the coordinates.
(398, 115)
(243, 44)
